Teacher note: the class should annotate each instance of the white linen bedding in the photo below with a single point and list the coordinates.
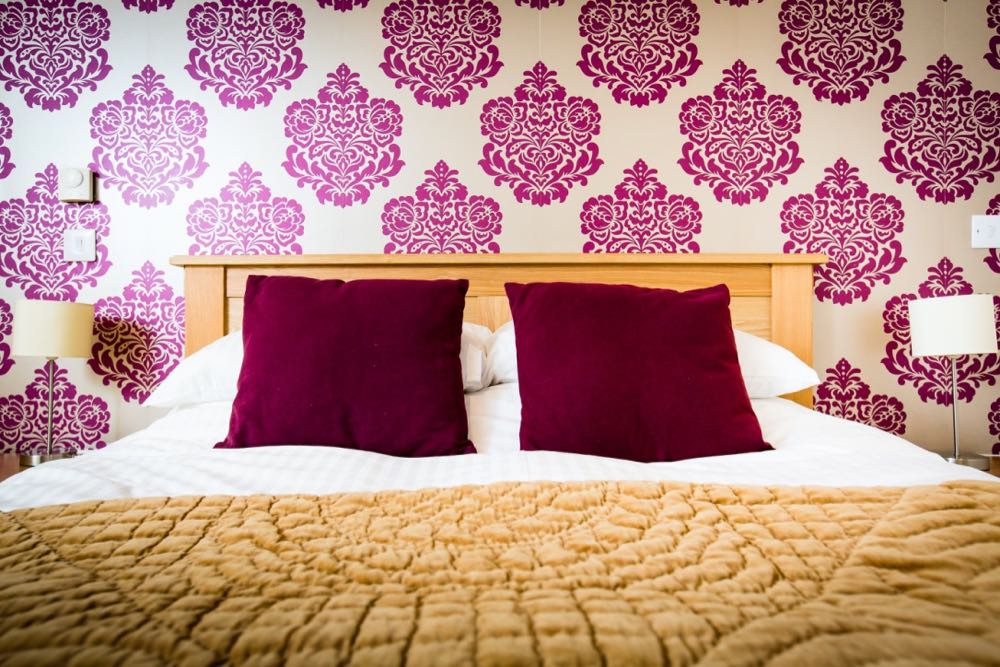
(174, 457)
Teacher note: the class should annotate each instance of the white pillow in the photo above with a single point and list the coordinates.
(210, 374)
(768, 369)
(475, 339)
(501, 356)
(771, 370)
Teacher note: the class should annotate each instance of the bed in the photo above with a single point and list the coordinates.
(842, 545)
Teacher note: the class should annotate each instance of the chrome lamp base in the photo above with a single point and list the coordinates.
(32, 460)
(977, 462)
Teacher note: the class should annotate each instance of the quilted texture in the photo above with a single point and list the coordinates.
(595, 573)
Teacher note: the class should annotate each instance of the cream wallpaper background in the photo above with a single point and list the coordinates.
(144, 305)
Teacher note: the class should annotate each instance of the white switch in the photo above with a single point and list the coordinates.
(79, 245)
(76, 185)
(986, 231)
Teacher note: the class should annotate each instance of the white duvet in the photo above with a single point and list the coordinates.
(174, 456)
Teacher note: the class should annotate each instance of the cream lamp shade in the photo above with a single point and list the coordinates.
(52, 329)
(952, 325)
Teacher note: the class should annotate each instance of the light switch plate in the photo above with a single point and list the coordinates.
(76, 185)
(79, 245)
(986, 231)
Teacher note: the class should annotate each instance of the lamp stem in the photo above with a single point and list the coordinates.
(52, 369)
(954, 408)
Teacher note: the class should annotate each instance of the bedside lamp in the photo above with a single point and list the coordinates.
(949, 326)
(51, 329)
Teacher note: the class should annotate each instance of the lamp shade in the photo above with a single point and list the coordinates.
(950, 325)
(52, 329)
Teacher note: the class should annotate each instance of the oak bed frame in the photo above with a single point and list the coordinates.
(771, 293)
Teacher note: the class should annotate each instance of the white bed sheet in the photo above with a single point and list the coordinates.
(174, 457)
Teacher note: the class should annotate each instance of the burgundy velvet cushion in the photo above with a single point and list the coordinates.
(368, 364)
(630, 372)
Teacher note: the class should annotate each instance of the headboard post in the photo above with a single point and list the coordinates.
(205, 306)
(791, 315)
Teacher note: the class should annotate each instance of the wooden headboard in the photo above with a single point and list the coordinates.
(771, 293)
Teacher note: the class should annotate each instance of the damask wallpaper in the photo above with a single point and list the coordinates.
(865, 129)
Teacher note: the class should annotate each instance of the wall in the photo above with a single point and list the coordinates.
(864, 129)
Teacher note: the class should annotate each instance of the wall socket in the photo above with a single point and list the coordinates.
(79, 245)
(986, 231)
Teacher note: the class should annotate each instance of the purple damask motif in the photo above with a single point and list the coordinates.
(245, 49)
(931, 376)
(639, 49)
(148, 145)
(139, 335)
(441, 49)
(994, 421)
(343, 5)
(640, 217)
(79, 421)
(540, 142)
(540, 4)
(840, 48)
(844, 394)
(53, 50)
(31, 241)
(6, 326)
(993, 254)
(856, 229)
(945, 137)
(736, 3)
(343, 143)
(6, 132)
(993, 21)
(443, 218)
(993, 260)
(740, 138)
(148, 6)
(245, 220)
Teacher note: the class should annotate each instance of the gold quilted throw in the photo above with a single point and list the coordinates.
(510, 574)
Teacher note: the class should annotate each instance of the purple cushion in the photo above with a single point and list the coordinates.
(630, 372)
(368, 364)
